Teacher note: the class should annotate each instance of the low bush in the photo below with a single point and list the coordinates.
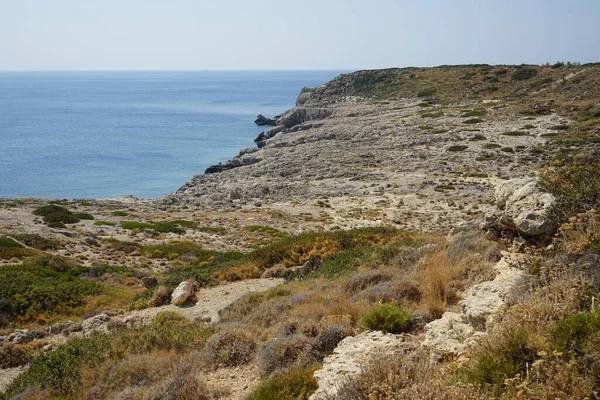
(12, 355)
(456, 148)
(174, 250)
(293, 385)
(230, 349)
(60, 372)
(515, 133)
(575, 181)
(427, 92)
(37, 242)
(504, 357)
(56, 216)
(104, 223)
(119, 213)
(472, 121)
(42, 284)
(280, 354)
(363, 280)
(403, 377)
(523, 74)
(164, 227)
(387, 318)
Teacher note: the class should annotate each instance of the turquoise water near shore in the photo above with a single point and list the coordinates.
(108, 134)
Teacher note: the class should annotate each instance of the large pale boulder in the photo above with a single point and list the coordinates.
(181, 293)
(524, 207)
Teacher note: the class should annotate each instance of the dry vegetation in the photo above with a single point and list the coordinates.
(339, 283)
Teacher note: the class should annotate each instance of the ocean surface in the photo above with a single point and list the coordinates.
(109, 134)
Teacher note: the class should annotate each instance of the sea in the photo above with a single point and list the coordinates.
(84, 135)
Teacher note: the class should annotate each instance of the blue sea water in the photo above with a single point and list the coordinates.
(108, 134)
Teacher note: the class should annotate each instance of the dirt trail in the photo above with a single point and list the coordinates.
(208, 302)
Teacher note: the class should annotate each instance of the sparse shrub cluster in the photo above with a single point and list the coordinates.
(56, 216)
(387, 318)
(42, 284)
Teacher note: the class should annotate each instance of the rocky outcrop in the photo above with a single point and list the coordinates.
(300, 115)
(96, 323)
(261, 120)
(522, 207)
(236, 162)
(182, 293)
(451, 333)
(483, 300)
(21, 336)
(349, 357)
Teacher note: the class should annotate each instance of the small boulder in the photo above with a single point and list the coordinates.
(149, 282)
(261, 120)
(55, 329)
(95, 323)
(181, 293)
(21, 336)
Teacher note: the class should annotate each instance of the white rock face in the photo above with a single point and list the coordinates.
(524, 206)
(488, 297)
(349, 357)
(181, 293)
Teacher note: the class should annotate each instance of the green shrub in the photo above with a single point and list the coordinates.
(8, 243)
(119, 213)
(387, 318)
(515, 133)
(507, 149)
(427, 92)
(265, 229)
(523, 73)
(473, 121)
(572, 333)
(60, 370)
(491, 146)
(292, 385)
(42, 284)
(432, 115)
(56, 216)
(503, 357)
(473, 113)
(164, 227)
(119, 245)
(576, 184)
(104, 223)
(175, 249)
(458, 148)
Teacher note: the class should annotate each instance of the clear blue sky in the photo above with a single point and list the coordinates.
(299, 34)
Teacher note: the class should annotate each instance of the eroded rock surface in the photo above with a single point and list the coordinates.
(523, 206)
(349, 357)
(450, 334)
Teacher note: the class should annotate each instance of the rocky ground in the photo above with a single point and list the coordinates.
(335, 162)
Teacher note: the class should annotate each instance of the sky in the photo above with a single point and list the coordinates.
(296, 35)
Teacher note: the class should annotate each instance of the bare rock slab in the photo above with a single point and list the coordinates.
(349, 357)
